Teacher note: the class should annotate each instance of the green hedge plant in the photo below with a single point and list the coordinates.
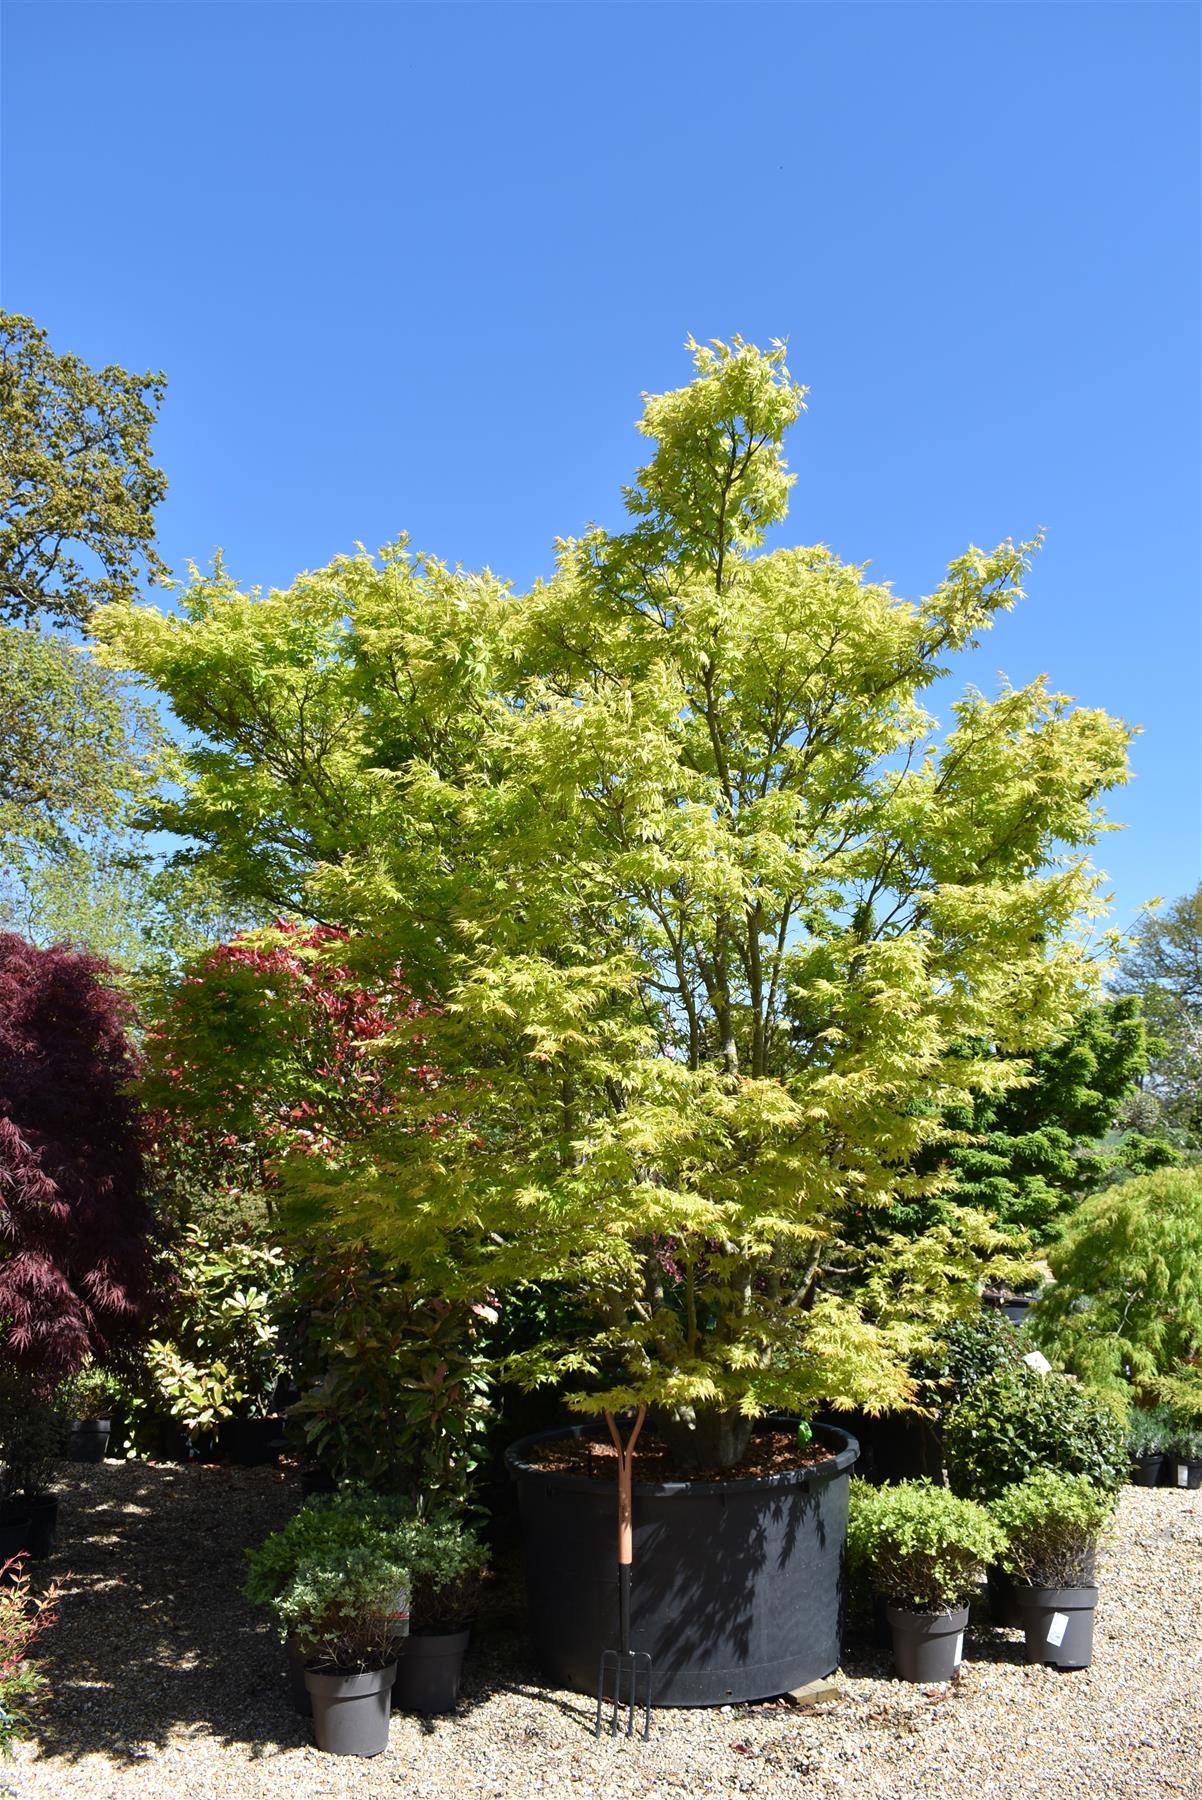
(1016, 1421)
(919, 1546)
(1052, 1524)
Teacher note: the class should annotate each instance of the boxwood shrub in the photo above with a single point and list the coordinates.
(1016, 1421)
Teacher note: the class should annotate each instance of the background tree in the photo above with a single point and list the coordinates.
(74, 1223)
(1032, 1152)
(1164, 969)
(76, 479)
(1127, 1299)
(708, 896)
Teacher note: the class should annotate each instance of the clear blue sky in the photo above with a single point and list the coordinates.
(411, 266)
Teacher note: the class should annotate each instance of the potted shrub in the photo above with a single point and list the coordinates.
(323, 1528)
(1149, 1431)
(32, 1442)
(1052, 1524)
(717, 931)
(446, 1561)
(346, 1608)
(1183, 1455)
(23, 1619)
(924, 1551)
(339, 1590)
(88, 1399)
(1016, 1421)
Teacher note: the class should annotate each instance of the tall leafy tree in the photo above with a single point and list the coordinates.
(74, 1222)
(1164, 969)
(709, 897)
(78, 488)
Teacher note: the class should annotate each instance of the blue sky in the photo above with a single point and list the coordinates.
(409, 267)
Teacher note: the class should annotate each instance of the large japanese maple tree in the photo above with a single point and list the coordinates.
(74, 1217)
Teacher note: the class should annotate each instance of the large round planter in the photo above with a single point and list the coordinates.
(89, 1440)
(1145, 1470)
(350, 1712)
(1182, 1471)
(737, 1589)
(1058, 1623)
(429, 1670)
(927, 1646)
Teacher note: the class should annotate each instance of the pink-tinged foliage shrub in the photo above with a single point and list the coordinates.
(270, 1048)
(74, 1220)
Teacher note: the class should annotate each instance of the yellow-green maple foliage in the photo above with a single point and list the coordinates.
(704, 890)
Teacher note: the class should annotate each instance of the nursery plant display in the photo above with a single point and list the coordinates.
(706, 910)
(1052, 1524)
(924, 1551)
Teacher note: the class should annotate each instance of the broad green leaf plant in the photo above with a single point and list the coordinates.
(713, 909)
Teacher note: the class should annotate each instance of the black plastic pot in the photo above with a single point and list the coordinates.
(43, 1526)
(429, 1670)
(928, 1646)
(737, 1592)
(1058, 1623)
(89, 1440)
(350, 1712)
(316, 1480)
(251, 1442)
(895, 1446)
(178, 1445)
(1182, 1471)
(15, 1530)
(1145, 1470)
(294, 1670)
(1003, 1606)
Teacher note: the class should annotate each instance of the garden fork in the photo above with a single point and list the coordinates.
(627, 1671)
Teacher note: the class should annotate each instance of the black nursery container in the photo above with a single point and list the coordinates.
(737, 1590)
(89, 1440)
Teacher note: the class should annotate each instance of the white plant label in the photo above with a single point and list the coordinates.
(1182, 1474)
(959, 1656)
(1035, 1359)
(1057, 1629)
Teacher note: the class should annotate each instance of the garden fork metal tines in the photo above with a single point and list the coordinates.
(624, 1677)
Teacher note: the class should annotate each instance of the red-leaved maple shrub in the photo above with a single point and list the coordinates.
(74, 1219)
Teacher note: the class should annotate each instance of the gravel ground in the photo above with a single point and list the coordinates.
(166, 1686)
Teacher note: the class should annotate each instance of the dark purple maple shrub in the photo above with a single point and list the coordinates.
(74, 1219)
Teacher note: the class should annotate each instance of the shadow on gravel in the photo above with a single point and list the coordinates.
(155, 1641)
(154, 1638)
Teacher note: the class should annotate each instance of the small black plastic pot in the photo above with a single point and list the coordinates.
(927, 1646)
(1058, 1623)
(251, 1442)
(1181, 1471)
(1145, 1470)
(89, 1440)
(429, 1670)
(350, 1712)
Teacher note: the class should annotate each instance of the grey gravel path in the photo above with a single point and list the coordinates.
(168, 1687)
